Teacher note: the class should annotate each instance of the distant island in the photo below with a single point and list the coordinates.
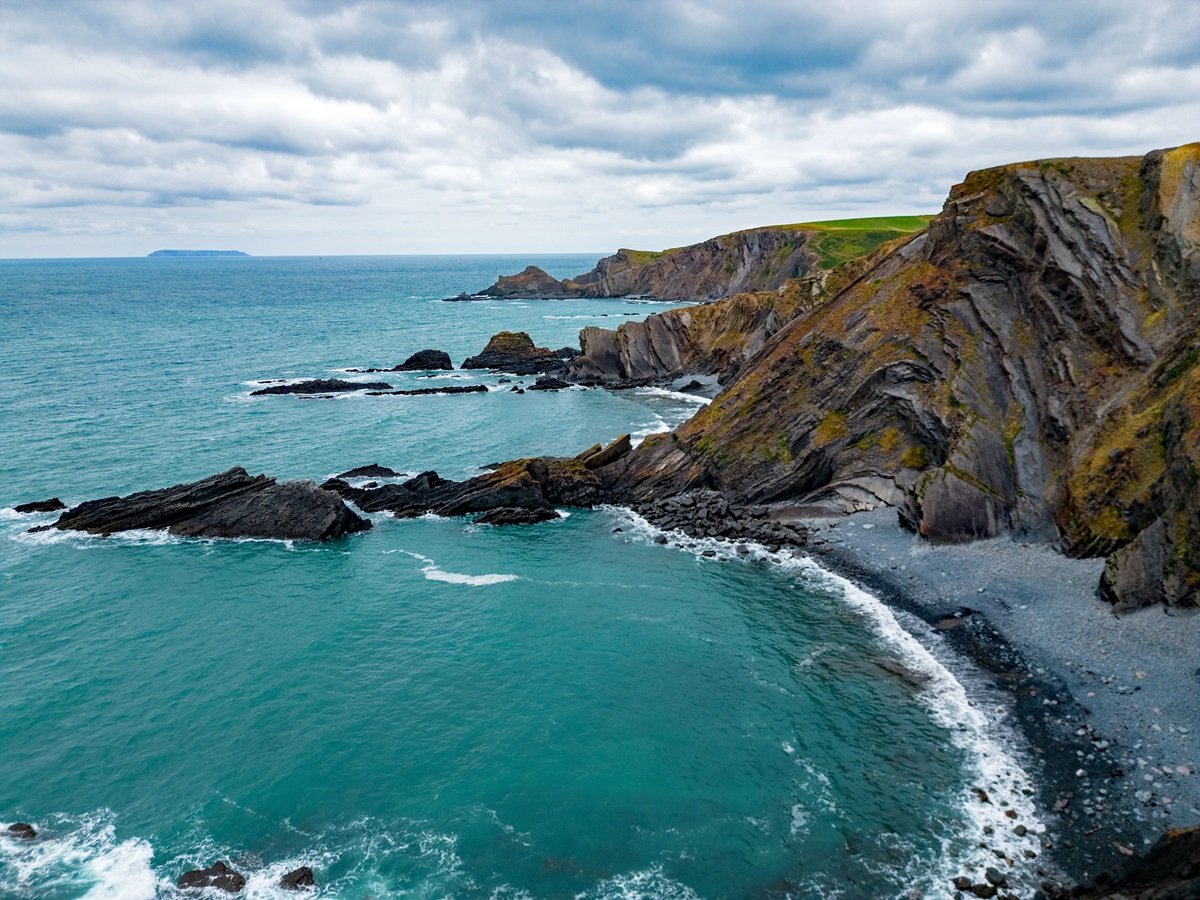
(174, 253)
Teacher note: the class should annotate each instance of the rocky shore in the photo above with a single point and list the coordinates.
(1108, 706)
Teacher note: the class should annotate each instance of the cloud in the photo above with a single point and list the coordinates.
(304, 126)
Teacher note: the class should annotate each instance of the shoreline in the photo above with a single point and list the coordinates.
(1108, 705)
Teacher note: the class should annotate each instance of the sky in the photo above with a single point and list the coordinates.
(296, 127)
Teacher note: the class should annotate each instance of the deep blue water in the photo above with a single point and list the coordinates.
(429, 709)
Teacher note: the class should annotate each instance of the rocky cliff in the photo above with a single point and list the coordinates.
(1027, 366)
(758, 259)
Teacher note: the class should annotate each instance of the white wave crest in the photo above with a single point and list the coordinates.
(674, 395)
(434, 573)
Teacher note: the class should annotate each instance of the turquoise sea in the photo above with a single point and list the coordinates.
(432, 708)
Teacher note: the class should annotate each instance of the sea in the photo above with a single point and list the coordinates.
(431, 708)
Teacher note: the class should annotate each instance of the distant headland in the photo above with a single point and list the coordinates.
(174, 253)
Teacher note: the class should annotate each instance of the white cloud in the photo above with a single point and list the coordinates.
(395, 128)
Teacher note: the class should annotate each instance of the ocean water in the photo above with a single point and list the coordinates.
(432, 708)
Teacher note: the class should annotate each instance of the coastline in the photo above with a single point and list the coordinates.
(1107, 704)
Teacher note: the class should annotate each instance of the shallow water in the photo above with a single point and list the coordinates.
(431, 708)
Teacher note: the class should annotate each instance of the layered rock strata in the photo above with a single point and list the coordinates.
(1027, 366)
(514, 351)
(230, 505)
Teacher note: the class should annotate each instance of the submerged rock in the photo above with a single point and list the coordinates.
(322, 386)
(514, 352)
(549, 383)
(511, 515)
(38, 506)
(298, 879)
(232, 504)
(218, 876)
(22, 830)
(428, 392)
(374, 470)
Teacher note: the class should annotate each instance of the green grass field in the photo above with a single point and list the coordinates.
(843, 239)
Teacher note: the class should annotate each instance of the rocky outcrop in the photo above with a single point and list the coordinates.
(535, 484)
(515, 515)
(22, 830)
(532, 282)
(40, 506)
(298, 879)
(700, 340)
(426, 392)
(1025, 367)
(374, 470)
(421, 361)
(709, 514)
(513, 351)
(322, 386)
(549, 383)
(426, 361)
(230, 505)
(218, 876)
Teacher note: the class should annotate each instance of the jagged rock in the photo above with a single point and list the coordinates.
(514, 352)
(596, 457)
(218, 876)
(1026, 367)
(232, 504)
(567, 353)
(22, 830)
(39, 506)
(426, 361)
(534, 483)
(510, 515)
(373, 470)
(427, 392)
(298, 879)
(322, 386)
(533, 283)
(549, 383)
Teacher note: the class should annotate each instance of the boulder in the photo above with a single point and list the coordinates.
(22, 830)
(510, 515)
(218, 875)
(297, 879)
(514, 352)
(322, 386)
(38, 506)
(232, 504)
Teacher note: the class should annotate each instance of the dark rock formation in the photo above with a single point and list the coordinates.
(374, 470)
(525, 484)
(298, 879)
(1028, 366)
(37, 506)
(218, 875)
(425, 392)
(513, 515)
(514, 352)
(597, 457)
(567, 353)
(232, 504)
(22, 830)
(322, 386)
(421, 361)
(549, 383)
(1170, 871)
(531, 283)
(703, 513)
(426, 361)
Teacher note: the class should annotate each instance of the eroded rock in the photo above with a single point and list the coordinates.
(218, 876)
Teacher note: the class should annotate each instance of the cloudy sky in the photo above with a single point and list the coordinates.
(321, 127)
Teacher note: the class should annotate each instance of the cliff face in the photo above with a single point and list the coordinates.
(759, 259)
(1028, 366)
